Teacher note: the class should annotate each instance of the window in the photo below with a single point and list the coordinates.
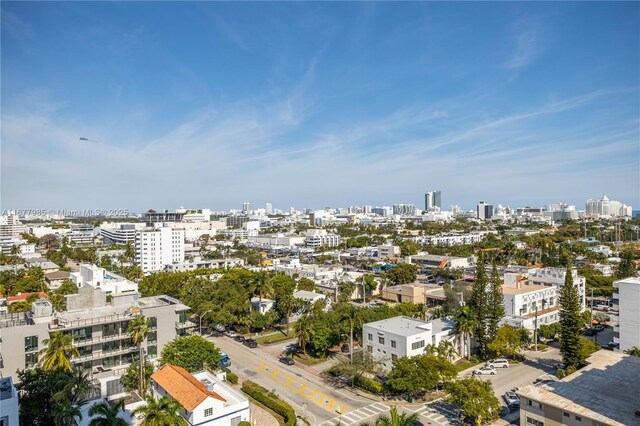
(578, 419)
(30, 359)
(381, 340)
(417, 345)
(236, 421)
(31, 344)
(369, 349)
(208, 412)
(566, 414)
(370, 336)
(534, 422)
(152, 351)
(152, 322)
(535, 404)
(393, 343)
(394, 357)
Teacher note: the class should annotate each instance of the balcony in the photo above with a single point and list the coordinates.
(185, 324)
(60, 323)
(99, 354)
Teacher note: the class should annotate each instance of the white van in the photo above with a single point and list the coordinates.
(499, 363)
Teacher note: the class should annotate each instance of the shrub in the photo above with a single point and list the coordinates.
(571, 369)
(474, 359)
(232, 378)
(271, 401)
(369, 385)
(243, 423)
(561, 373)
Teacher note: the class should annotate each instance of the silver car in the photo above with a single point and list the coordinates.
(511, 398)
(485, 370)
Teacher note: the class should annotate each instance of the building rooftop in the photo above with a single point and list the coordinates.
(630, 280)
(407, 326)
(183, 387)
(524, 289)
(58, 275)
(606, 390)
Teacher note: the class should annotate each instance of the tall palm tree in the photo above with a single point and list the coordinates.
(446, 349)
(138, 330)
(465, 324)
(15, 250)
(105, 414)
(287, 304)
(438, 312)
(303, 332)
(164, 412)
(78, 387)
(262, 285)
(66, 414)
(58, 352)
(395, 419)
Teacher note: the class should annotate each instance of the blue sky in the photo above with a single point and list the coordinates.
(318, 104)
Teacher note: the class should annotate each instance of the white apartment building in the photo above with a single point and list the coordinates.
(607, 208)
(81, 234)
(555, 277)
(277, 240)
(156, 248)
(120, 233)
(319, 237)
(7, 244)
(626, 300)
(205, 397)
(431, 261)
(8, 402)
(524, 303)
(450, 239)
(393, 338)
(109, 282)
(404, 209)
(387, 252)
(10, 226)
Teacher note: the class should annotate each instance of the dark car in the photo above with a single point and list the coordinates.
(287, 360)
(599, 328)
(590, 332)
(239, 338)
(216, 333)
(250, 343)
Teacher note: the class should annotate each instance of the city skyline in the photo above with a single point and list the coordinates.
(142, 105)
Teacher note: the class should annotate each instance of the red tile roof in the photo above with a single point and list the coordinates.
(182, 386)
(23, 296)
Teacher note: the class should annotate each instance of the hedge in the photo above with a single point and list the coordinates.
(243, 423)
(369, 385)
(271, 401)
(232, 378)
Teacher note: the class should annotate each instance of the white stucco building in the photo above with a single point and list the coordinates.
(555, 277)
(156, 248)
(319, 237)
(626, 300)
(400, 336)
(107, 281)
(8, 402)
(206, 398)
(523, 303)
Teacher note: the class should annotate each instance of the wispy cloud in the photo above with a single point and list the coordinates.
(527, 43)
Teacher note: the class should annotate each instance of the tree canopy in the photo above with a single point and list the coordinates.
(192, 353)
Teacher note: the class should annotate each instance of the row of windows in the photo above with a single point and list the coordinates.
(381, 340)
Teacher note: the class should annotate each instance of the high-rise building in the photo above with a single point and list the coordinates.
(10, 226)
(158, 247)
(404, 209)
(432, 199)
(246, 206)
(269, 208)
(437, 199)
(606, 207)
(484, 210)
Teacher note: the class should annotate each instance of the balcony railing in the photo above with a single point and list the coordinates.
(185, 324)
(62, 323)
(99, 354)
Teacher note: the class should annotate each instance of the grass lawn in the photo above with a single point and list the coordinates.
(273, 338)
(307, 359)
(464, 365)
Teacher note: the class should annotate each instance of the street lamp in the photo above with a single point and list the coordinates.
(200, 326)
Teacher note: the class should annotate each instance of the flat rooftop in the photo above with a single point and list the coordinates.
(607, 390)
(524, 289)
(407, 326)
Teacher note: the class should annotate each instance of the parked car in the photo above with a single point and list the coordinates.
(613, 344)
(382, 378)
(599, 328)
(230, 333)
(590, 332)
(485, 370)
(250, 343)
(286, 360)
(511, 398)
(499, 363)
(219, 327)
(239, 338)
(216, 333)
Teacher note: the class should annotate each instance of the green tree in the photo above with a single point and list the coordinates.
(419, 373)
(409, 248)
(402, 273)
(192, 353)
(479, 305)
(509, 341)
(465, 326)
(164, 412)
(306, 284)
(627, 267)
(370, 283)
(106, 414)
(495, 311)
(395, 419)
(58, 352)
(476, 398)
(131, 379)
(304, 332)
(262, 285)
(570, 322)
(138, 331)
(634, 351)
(286, 303)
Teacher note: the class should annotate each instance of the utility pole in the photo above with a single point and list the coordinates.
(535, 331)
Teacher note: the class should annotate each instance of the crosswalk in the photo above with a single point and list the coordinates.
(431, 415)
(356, 416)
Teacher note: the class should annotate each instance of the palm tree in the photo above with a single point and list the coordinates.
(58, 352)
(287, 304)
(465, 324)
(438, 312)
(303, 332)
(431, 349)
(78, 387)
(107, 414)
(65, 414)
(395, 419)
(15, 250)
(164, 412)
(262, 284)
(446, 349)
(138, 330)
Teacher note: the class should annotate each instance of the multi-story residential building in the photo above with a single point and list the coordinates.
(110, 282)
(529, 306)
(10, 225)
(205, 397)
(388, 251)
(99, 330)
(555, 277)
(120, 233)
(404, 209)
(607, 208)
(452, 239)
(626, 300)
(7, 244)
(320, 237)
(158, 247)
(392, 338)
(8, 402)
(433, 261)
(382, 211)
(484, 210)
(231, 262)
(603, 393)
(152, 217)
(81, 234)
(277, 240)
